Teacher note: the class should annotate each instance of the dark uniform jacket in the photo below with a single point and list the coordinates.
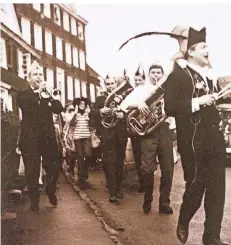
(37, 126)
(120, 130)
(198, 130)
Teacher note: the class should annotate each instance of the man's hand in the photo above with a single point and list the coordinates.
(144, 109)
(105, 110)
(207, 100)
(119, 114)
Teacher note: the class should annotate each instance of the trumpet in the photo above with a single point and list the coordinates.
(49, 92)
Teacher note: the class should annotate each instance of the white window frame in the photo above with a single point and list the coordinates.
(80, 31)
(75, 55)
(92, 92)
(68, 53)
(58, 16)
(38, 41)
(84, 89)
(61, 84)
(59, 48)
(66, 21)
(20, 63)
(82, 60)
(26, 29)
(73, 26)
(37, 6)
(77, 88)
(7, 98)
(50, 77)
(3, 58)
(70, 94)
(48, 42)
(47, 10)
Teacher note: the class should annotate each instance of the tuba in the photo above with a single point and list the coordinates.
(113, 101)
(139, 125)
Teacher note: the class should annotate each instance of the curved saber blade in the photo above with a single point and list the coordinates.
(153, 33)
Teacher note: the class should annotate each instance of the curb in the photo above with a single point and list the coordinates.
(83, 195)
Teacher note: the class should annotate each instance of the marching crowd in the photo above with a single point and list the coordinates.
(81, 137)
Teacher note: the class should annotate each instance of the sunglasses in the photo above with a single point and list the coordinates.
(70, 110)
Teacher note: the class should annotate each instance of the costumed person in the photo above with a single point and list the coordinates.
(190, 97)
(82, 139)
(114, 141)
(156, 144)
(37, 137)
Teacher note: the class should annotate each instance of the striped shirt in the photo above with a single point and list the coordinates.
(82, 128)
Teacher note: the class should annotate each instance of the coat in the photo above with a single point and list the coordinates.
(37, 126)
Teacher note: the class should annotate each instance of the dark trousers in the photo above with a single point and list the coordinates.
(136, 147)
(113, 160)
(32, 171)
(158, 143)
(205, 177)
(84, 152)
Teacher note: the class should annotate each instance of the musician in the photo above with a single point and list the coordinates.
(190, 98)
(114, 141)
(37, 138)
(158, 143)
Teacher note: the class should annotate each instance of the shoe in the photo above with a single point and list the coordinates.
(165, 210)
(120, 195)
(182, 233)
(83, 185)
(147, 207)
(208, 239)
(34, 206)
(53, 200)
(113, 199)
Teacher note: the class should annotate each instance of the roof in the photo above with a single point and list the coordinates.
(71, 8)
(92, 72)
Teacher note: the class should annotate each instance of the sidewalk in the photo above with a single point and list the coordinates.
(71, 223)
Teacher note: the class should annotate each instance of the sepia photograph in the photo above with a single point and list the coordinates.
(115, 123)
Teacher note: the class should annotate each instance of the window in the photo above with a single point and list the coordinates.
(73, 26)
(82, 59)
(66, 22)
(70, 88)
(80, 31)
(50, 77)
(48, 42)
(9, 53)
(77, 88)
(68, 53)
(47, 10)
(98, 91)
(59, 48)
(38, 37)
(75, 57)
(3, 60)
(26, 33)
(37, 6)
(84, 89)
(6, 98)
(26, 63)
(20, 63)
(92, 92)
(61, 84)
(57, 18)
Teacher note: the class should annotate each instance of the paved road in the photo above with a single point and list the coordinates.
(72, 223)
(152, 229)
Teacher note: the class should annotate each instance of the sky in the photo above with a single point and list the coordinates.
(109, 25)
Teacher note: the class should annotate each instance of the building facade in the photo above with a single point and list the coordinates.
(54, 34)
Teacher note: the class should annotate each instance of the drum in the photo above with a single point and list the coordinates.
(225, 112)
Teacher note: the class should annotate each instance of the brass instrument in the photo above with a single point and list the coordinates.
(140, 125)
(49, 92)
(113, 101)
